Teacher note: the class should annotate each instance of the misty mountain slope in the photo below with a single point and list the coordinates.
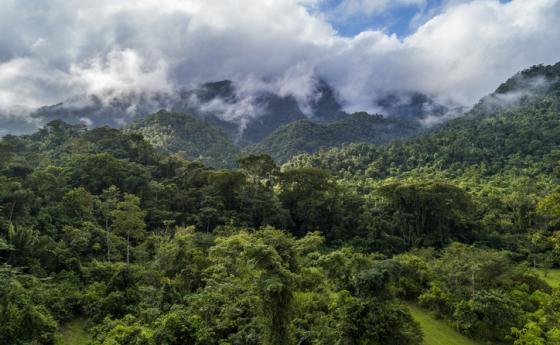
(225, 104)
(277, 113)
(410, 104)
(246, 115)
(120, 110)
(325, 106)
(522, 138)
(521, 89)
(270, 111)
(15, 125)
(193, 137)
(247, 118)
(305, 136)
(96, 112)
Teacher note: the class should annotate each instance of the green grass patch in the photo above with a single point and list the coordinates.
(437, 332)
(74, 333)
(552, 278)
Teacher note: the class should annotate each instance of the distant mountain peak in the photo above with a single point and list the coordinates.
(410, 104)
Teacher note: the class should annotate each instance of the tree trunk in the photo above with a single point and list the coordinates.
(473, 282)
(107, 239)
(12, 211)
(128, 247)
(534, 262)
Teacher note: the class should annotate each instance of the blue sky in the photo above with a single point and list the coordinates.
(399, 17)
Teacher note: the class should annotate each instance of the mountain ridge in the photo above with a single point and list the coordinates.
(509, 137)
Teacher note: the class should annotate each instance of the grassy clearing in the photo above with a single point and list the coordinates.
(437, 332)
(552, 278)
(74, 333)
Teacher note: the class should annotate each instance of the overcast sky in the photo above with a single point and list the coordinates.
(52, 50)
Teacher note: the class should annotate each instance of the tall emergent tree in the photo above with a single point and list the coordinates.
(128, 220)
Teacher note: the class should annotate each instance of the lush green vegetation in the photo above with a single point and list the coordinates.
(305, 136)
(437, 332)
(192, 137)
(165, 251)
(507, 162)
(151, 248)
(199, 139)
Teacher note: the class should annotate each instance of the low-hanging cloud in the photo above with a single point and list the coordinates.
(121, 72)
(56, 50)
(521, 88)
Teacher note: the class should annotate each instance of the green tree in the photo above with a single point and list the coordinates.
(430, 213)
(531, 334)
(310, 196)
(109, 199)
(275, 284)
(128, 220)
(259, 168)
(78, 204)
(22, 320)
(489, 314)
(97, 172)
(549, 209)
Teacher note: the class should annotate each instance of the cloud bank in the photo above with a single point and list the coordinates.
(55, 50)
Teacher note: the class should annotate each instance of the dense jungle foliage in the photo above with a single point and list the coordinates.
(199, 139)
(192, 137)
(305, 136)
(330, 248)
